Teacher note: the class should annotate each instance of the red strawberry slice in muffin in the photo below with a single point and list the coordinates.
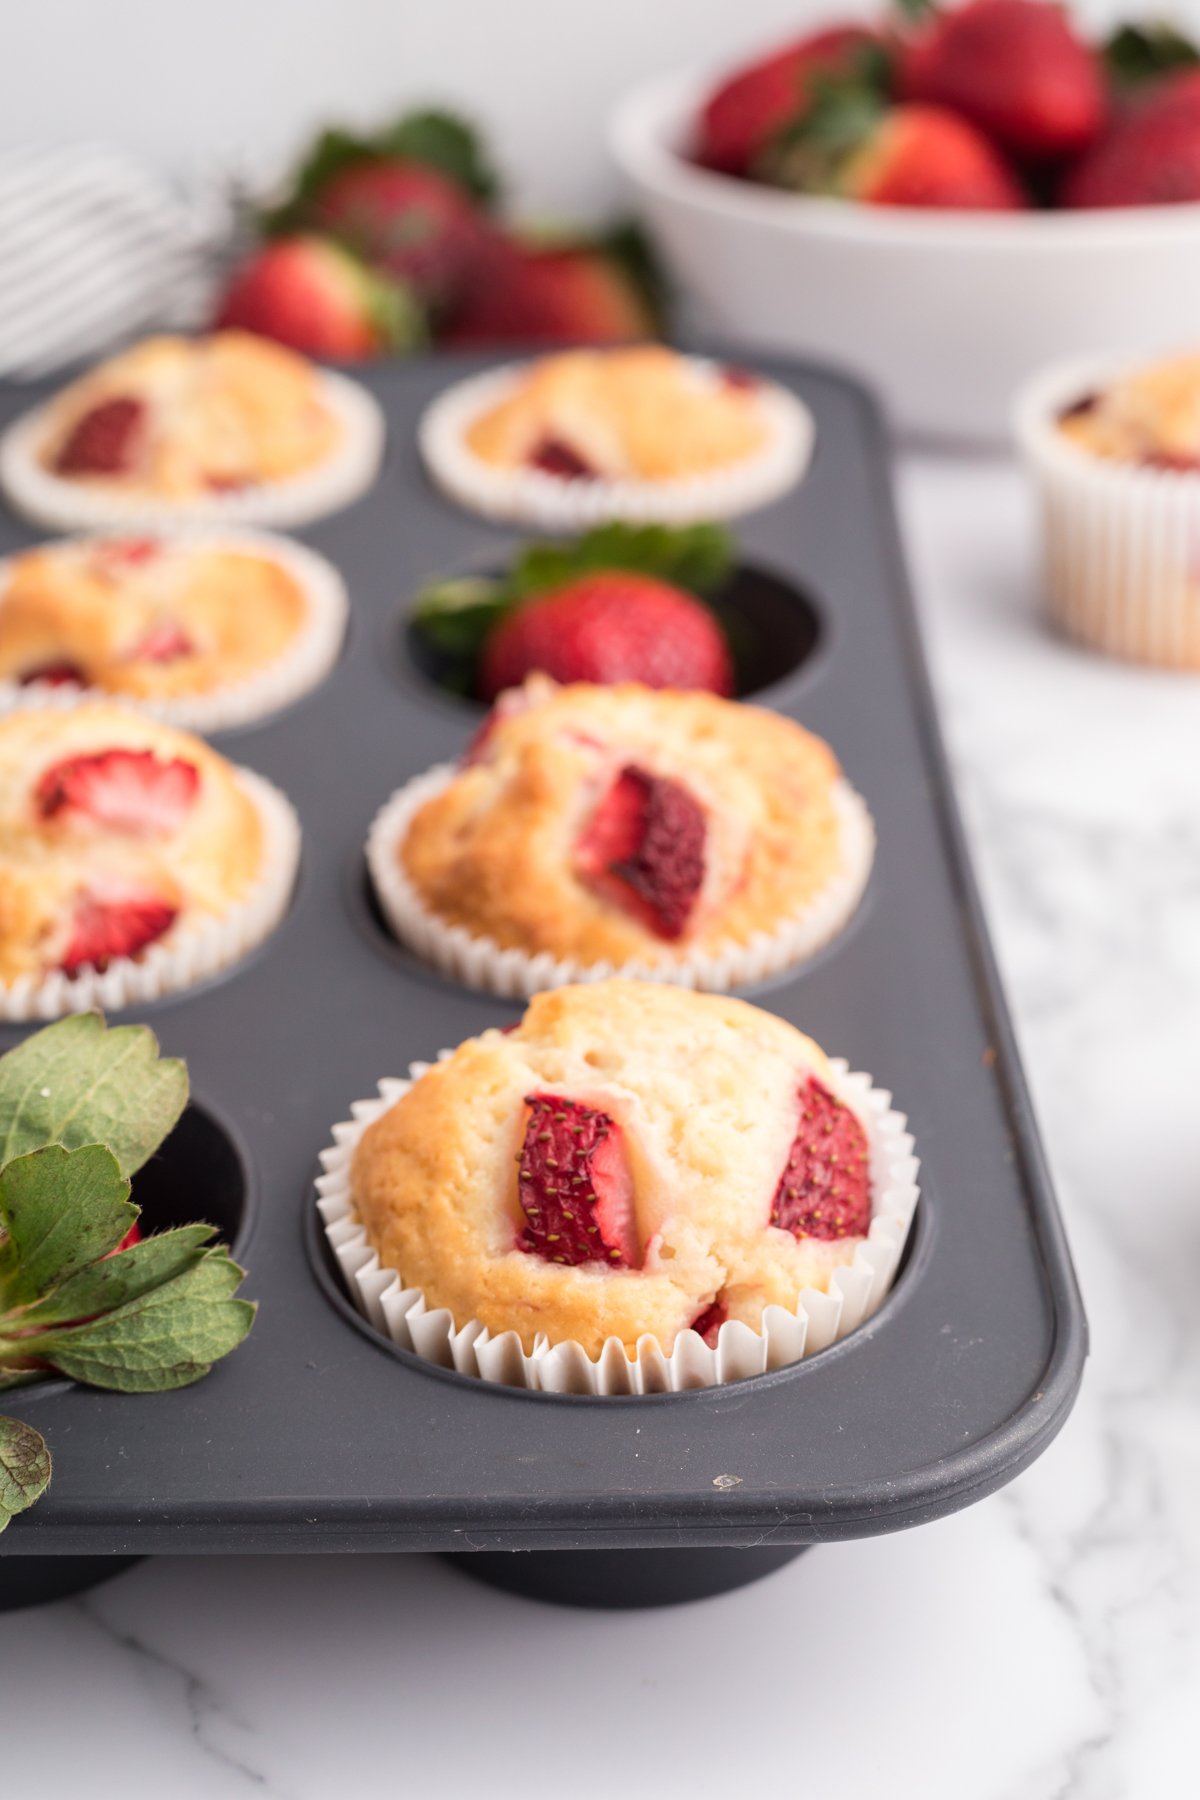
(55, 674)
(163, 643)
(111, 920)
(574, 1185)
(643, 849)
(131, 791)
(825, 1189)
(108, 440)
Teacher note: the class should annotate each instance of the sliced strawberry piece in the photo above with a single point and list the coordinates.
(575, 1187)
(130, 791)
(825, 1189)
(708, 1323)
(107, 440)
(115, 554)
(164, 642)
(554, 456)
(643, 849)
(116, 921)
(55, 674)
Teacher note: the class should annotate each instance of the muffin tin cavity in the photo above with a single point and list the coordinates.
(773, 626)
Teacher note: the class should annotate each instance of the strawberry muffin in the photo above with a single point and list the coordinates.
(226, 426)
(205, 631)
(631, 1162)
(591, 435)
(1114, 453)
(592, 829)
(133, 859)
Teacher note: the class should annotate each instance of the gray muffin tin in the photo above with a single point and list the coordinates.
(318, 1435)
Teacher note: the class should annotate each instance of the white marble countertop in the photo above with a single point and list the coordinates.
(1044, 1645)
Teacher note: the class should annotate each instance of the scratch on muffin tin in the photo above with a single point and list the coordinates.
(554, 503)
(787, 1336)
(479, 962)
(62, 504)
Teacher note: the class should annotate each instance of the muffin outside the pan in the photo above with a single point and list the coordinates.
(134, 860)
(1114, 451)
(645, 434)
(634, 1189)
(204, 629)
(598, 829)
(227, 427)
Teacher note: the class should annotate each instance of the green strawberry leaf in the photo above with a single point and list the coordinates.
(24, 1468)
(166, 1338)
(82, 1082)
(454, 617)
(447, 143)
(1137, 54)
(809, 155)
(116, 1280)
(59, 1211)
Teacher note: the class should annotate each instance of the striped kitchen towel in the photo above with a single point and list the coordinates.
(95, 248)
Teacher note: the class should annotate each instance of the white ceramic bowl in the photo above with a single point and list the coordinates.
(943, 314)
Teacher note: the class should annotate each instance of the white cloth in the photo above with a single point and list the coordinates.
(95, 248)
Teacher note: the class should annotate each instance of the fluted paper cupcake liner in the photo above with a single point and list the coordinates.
(302, 666)
(479, 962)
(1120, 542)
(66, 505)
(193, 949)
(553, 503)
(787, 1335)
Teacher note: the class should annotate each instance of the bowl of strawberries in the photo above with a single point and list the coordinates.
(941, 201)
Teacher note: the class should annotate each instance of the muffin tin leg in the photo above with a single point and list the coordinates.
(36, 1580)
(619, 1579)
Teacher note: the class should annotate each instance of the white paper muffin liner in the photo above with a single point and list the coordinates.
(303, 665)
(192, 950)
(553, 503)
(63, 504)
(479, 962)
(1120, 542)
(786, 1336)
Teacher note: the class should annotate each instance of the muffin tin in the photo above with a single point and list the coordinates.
(318, 1435)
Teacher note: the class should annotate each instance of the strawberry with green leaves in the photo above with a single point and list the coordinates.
(1151, 154)
(853, 144)
(621, 603)
(310, 293)
(82, 1292)
(741, 116)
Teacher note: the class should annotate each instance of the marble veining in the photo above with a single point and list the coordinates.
(1044, 1645)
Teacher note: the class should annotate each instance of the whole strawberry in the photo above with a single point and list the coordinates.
(523, 293)
(406, 219)
(1150, 156)
(609, 627)
(744, 113)
(926, 156)
(1015, 68)
(310, 293)
(856, 147)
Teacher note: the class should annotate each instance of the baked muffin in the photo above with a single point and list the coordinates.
(640, 433)
(228, 425)
(597, 828)
(1149, 416)
(1114, 453)
(124, 842)
(630, 1160)
(204, 630)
